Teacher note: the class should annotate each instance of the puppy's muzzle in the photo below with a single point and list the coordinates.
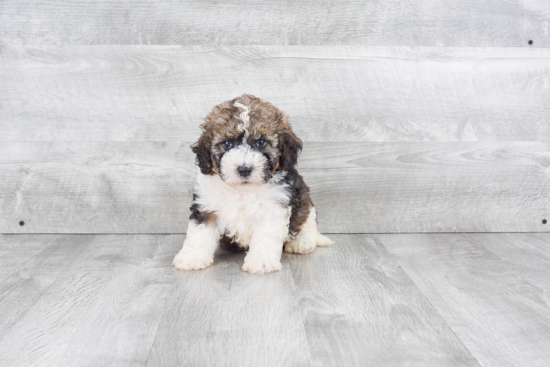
(244, 171)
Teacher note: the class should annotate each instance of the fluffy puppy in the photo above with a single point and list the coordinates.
(249, 194)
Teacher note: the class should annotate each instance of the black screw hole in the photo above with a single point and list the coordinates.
(530, 42)
(544, 221)
(21, 223)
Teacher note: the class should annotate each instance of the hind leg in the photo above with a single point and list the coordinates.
(308, 238)
(304, 242)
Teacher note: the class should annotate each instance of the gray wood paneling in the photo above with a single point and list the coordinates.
(500, 317)
(431, 187)
(360, 309)
(121, 93)
(103, 310)
(299, 22)
(530, 257)
(29, 265)
(79, 187)
(223, 316)
(367, 300)
(145, 187)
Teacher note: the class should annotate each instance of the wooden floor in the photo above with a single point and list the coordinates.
(369, 300)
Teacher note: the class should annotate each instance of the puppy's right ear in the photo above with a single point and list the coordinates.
(202, 149)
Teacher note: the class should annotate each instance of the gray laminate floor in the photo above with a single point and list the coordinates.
(369, 300)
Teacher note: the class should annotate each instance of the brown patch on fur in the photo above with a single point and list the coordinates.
(290, 147)
(301, 204)
(266, 122)
(202, 149)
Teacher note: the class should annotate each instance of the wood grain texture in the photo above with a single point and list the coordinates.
(529, 256)
(303, 22)
(29, 266)
(367, 300)
(103, 310)
(78, 187)
(223, 316)
(500, 317)
(360, 309)
(431, 187)
(338, 93)
(146, 187)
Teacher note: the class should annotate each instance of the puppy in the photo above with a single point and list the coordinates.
(249, 194)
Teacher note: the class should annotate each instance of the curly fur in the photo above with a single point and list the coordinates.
(249, 194)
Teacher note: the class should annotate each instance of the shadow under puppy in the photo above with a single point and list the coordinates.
(248, 193)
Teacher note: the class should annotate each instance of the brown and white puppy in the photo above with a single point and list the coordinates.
(249, 194)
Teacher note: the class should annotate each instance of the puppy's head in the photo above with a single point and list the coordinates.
(246, 141)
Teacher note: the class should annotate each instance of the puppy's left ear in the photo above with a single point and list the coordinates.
(290, 147)
(202, 149)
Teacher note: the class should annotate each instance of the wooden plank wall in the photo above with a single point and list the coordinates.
(287, 22)
(337, 93)
(100, 101)
(145, 187)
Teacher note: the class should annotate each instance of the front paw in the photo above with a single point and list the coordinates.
(261, 265)
(192, 260)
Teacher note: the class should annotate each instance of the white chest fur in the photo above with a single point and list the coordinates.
(243, 210)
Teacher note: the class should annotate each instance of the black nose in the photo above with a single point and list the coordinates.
(244, 171)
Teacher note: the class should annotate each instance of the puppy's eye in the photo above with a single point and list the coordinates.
(261, 143)
(227, 144)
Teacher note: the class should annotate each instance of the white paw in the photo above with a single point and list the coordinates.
(301, 245)
(192, 261)
(261, 265)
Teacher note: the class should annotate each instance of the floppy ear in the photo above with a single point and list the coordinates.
(202, 150)
(290, 146)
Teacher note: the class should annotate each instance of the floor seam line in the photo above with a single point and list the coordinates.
(299, 309)
(42, 294)
(432, 306)
(160, 322)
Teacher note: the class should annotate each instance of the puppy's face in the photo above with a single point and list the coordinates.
(246, 141)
